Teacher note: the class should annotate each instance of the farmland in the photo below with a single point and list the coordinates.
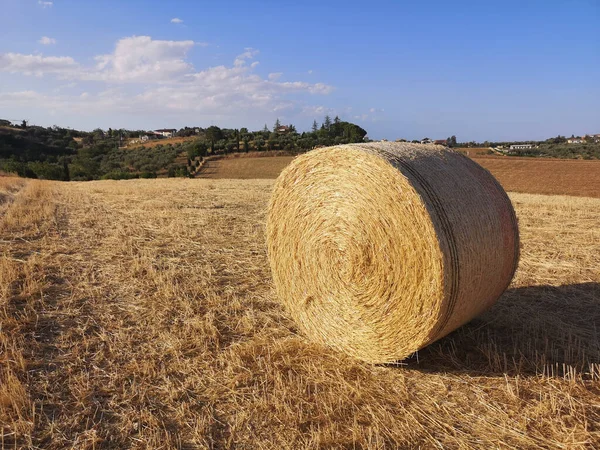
(245, 168)
(527, 175)
(134, 143)
(140, 314)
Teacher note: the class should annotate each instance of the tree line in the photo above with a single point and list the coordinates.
(64, 154)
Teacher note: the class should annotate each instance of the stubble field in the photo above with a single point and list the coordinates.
(528, 175)
(140, 314)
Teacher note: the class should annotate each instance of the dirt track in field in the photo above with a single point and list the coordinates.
(527, 175)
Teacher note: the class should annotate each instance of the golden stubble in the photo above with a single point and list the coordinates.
(140, 314)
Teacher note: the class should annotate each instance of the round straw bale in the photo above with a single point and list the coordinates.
(379, 249)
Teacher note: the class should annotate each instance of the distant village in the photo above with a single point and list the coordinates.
(508, 148)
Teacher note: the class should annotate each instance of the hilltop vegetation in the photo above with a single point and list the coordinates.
(62, 154)
(555, 147)
(566, 151)
(57, 153)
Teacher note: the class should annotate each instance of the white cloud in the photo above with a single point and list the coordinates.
(146, 76)
(372, 110)
(37, 64)
(44, 4)
(45, 40)
(142, 59)
(176, 20)
(310, 72)
(249, 53)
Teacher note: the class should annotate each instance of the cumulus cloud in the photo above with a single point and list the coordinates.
(146, 75)
(140, 58)
(45, 40)
(44, 4)
(310, 72)
(176, 20)
(38, 65)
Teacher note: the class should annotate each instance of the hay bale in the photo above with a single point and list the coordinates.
(380, 249)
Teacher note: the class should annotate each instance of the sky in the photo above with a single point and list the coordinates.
(479, 70)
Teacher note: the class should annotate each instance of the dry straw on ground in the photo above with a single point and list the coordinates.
(380, 249)
(139, 314)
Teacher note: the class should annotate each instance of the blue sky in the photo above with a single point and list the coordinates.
(497, 70)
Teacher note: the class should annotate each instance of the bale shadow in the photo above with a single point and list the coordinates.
(535, 330)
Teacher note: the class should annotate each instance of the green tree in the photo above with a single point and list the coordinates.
(259, 144)
(315, 126)
(273, 141)
(213, 134)
(277, 124)
(327, 122)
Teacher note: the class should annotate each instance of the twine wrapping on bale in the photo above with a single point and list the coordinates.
(379, 249)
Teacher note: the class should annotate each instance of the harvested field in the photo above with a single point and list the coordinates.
(165, 141)
(545, 176)
(474, 151)
(527, 175)
(140, 314)
(245, 168)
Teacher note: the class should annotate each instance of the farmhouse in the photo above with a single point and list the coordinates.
(282, 129)
(521, 146)
(166, 132)
(440, 142)
(426, 141)
(575, 140)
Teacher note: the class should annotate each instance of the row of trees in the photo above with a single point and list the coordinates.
(215, 140)
(65, 154)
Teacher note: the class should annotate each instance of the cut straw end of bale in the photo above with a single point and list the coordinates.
(378, 250)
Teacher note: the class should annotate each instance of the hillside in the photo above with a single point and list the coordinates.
(136, 143)
(62, 154)
(140, 314)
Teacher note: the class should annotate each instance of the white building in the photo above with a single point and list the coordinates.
(166, 132)
(521, 146)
